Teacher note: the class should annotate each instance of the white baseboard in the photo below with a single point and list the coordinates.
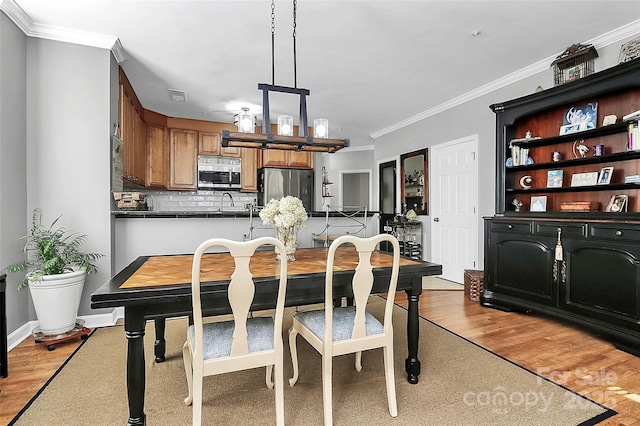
(90, 321)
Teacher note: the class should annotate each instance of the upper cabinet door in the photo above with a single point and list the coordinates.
(157, 156)
(210, 144)
(288, 159)
(249, 176)
(183, 154)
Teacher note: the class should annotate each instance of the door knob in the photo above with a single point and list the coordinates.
(436, 219)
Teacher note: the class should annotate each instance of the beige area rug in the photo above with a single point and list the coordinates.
(460, 384)
(435, 283)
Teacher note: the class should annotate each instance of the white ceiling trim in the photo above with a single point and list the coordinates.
(606, 39)
(49, 32)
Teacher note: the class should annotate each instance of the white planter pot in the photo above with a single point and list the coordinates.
(56, 299)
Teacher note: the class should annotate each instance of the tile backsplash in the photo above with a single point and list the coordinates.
(189, 201)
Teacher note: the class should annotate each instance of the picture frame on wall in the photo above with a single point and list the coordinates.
(617, 204)
(605, 176)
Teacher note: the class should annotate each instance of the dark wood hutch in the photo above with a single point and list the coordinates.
(574, 260)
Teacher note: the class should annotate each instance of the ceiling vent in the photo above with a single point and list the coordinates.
(178, 95)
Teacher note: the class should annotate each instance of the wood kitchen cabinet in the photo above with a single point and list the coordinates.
(183, 159)
(287, 159)
(249, 176)
(133, 134)
(157, 156)
(210, 144)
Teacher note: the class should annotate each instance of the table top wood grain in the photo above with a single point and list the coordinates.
(176, 269)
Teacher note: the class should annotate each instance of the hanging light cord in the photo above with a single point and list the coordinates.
(273, 32)
(295, 72)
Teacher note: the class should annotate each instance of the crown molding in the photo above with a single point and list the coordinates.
(603, 40)
(17, 15)
(49, 32)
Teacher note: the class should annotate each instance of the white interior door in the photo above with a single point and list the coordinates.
(453, 177)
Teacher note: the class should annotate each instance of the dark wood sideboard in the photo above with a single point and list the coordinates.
(572, 258)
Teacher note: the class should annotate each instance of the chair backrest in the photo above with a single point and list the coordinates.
(362, 282)
(240, 292)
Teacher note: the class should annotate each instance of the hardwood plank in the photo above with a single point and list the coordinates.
(554, 349)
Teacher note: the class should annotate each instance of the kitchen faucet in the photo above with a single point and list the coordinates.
(222, 200)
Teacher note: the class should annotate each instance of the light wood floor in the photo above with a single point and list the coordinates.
(578, 360)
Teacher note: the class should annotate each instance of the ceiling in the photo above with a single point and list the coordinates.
(370, 65)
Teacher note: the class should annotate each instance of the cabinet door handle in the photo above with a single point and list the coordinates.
(510, 226)
(436, 219)
(618, 233)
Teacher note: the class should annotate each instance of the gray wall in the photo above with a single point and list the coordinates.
(13, 173)
(470, 118)
(69, 108)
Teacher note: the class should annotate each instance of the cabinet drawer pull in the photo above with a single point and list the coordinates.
(510, 226)
(618, 233)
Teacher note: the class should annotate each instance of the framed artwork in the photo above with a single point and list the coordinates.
(584, 179)
(579, 118)
(554, 179)
(539, 204)
(618, 203)
(605, 176)
(630, 50)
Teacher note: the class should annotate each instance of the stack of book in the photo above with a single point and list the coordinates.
(632, 179)
(634, 134)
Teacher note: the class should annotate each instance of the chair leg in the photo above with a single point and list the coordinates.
(359, 361)
(188, 369)
(390, 378)
(293, 333)
(197, 399)
(269, 379)
(279, 378)
(327, 399)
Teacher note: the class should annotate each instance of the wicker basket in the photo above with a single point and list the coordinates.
(473, 284)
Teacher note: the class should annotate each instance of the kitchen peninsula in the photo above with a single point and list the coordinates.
(155, 232)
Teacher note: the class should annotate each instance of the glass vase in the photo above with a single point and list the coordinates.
(288, 237)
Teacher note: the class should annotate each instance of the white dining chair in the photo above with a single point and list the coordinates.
(335, 331)
(241, 343)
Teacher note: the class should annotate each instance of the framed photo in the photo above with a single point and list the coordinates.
(539, 204)
(605, 176)
(554, 179)
(572, 128)
(573, 73)
(618, 203)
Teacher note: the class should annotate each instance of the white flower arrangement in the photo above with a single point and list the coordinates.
(287, 213)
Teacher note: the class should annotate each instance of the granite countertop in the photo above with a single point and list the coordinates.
(119, 214)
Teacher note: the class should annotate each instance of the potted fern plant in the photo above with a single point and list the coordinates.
(57, 270)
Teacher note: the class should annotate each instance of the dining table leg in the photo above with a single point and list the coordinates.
(134, 325)
(412, 363)
(159, 346)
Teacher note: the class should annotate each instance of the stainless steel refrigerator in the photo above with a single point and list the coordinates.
(278, 183)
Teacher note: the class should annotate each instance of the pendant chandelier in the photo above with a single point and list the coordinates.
(284, 139)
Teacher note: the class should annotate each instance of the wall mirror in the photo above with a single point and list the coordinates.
(415, 186)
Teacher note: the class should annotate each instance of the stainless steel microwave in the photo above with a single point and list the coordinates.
(219, 172)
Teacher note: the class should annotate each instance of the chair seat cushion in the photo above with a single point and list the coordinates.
(342, 322)
(219, 335)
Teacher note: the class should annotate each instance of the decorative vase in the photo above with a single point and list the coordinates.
(56, 299)
(288, 237)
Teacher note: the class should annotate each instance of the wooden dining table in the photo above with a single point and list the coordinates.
(159, 287)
